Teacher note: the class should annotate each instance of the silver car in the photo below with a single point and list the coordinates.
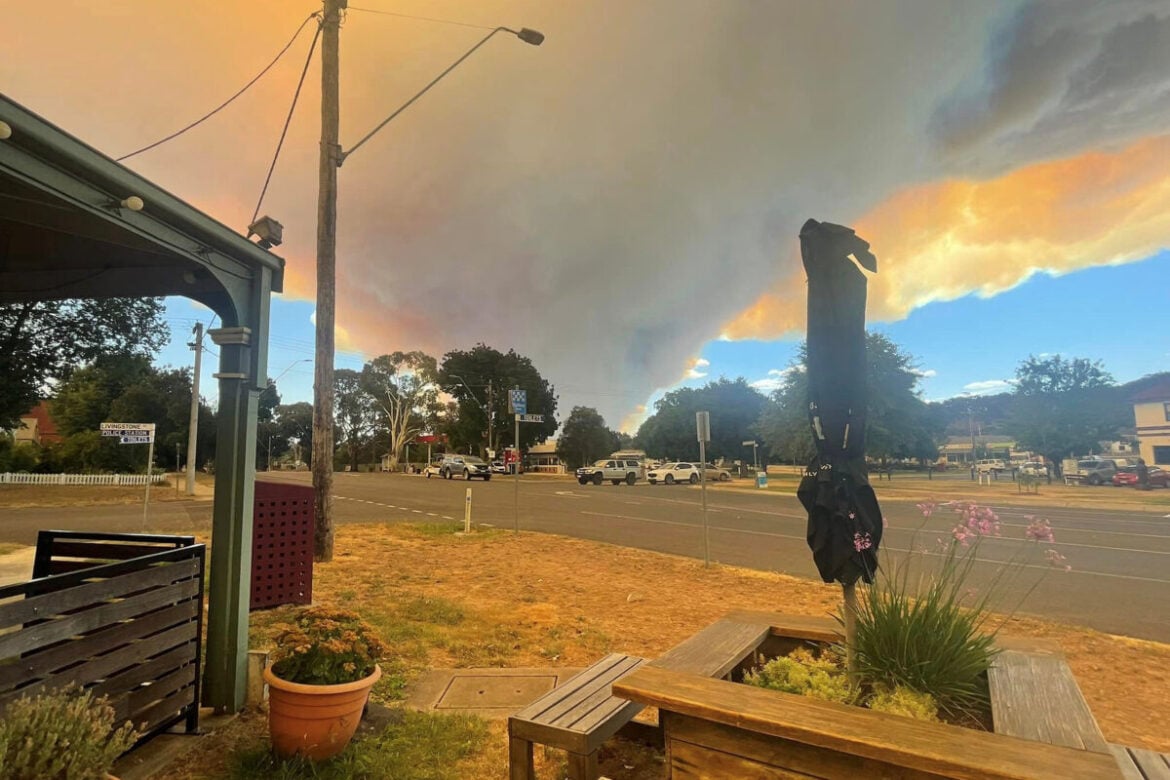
(468, 466)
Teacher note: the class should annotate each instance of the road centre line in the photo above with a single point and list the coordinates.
(889, 549)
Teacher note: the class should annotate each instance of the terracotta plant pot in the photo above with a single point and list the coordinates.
(315, 721)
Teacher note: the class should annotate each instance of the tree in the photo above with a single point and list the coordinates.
(1064, 407)
(734, 406)
(294, 424)
(485, 377)
(404, 387)
(1043, 376)
(899, 422)
(43, 342)
(353, 413)
(585, 438)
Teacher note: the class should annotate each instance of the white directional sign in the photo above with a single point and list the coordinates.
(129, 433)
(539, 418)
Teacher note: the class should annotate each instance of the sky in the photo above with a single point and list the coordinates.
(622, 204)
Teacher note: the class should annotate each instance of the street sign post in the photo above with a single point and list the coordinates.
(755, 445)
(136, 433)
(534, 418)
(518, 399)
(703, 429)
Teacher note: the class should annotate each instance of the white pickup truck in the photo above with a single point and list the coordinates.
(616, 470)
(1091, 471)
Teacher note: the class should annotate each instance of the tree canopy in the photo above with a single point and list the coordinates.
(1064, 408)
(585, 438)
(899, 422)
(480, 379)
(43, 342)
(734, 407)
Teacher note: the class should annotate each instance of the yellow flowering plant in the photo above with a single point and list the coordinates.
(326, 646)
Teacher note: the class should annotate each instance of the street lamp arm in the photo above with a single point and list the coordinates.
(528, 36)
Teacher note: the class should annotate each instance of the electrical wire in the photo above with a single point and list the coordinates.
(287, 120)
(229, 100)
(421, 18)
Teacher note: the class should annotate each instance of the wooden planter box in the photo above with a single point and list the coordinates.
(715, 728)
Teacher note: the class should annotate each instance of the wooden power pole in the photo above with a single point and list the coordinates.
(326, 284)
(193, 424)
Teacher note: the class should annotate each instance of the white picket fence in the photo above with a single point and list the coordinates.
(126, 480)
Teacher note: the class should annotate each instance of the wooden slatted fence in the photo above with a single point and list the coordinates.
(120, 614)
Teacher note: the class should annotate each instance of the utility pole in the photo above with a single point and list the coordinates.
(193, 425)
(490, 415)
(326, 284)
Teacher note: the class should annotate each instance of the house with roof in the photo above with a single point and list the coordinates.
(37, 426)
(1151, 413)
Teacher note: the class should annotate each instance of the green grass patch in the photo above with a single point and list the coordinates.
(423, 746)
(448, 529)
(437, 611)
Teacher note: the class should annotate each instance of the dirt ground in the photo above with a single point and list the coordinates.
(499, 599)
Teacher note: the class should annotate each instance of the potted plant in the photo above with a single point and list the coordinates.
(65, 734)
(325, 665)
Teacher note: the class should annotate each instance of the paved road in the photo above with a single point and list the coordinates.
(1119, 582)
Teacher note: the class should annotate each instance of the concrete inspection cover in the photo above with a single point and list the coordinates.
(481, 692)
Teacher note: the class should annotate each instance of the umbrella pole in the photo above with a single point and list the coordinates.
(850, 593)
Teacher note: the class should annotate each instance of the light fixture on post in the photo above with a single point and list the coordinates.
(331, 158)
(268, 230)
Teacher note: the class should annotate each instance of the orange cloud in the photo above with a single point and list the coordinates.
(943, 240)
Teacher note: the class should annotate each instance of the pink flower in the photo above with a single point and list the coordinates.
(1038, 530)
(927, 508)
(1057, 560)
(862, 542)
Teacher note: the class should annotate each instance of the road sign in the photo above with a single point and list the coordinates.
(518, 400)
(136, 439)
(120, 427)
(703, 425)
(530, 418)
(749, 444)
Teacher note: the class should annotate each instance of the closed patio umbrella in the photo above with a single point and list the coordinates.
(844, 520)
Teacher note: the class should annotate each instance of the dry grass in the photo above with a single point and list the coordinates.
(498, 599)
(24, 496)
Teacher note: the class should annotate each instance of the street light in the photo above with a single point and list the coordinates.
(331, 158)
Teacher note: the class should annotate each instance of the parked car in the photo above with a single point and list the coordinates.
(467, 465)
(670, 473)
(616, 470)
(1034, 468)
(1094, 471)
(1127, 477)
(498, 467)
(990, 466)
(434, 468)
(715, 474)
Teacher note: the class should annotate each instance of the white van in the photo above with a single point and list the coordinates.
(990, 466)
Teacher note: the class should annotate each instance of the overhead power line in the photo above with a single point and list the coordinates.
(227, 102)
(287, 120)
(420, 18)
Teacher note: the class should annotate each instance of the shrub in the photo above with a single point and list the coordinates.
(800, 672)
(930, 632)
(901, 700)
(326, 646)
(65, 735)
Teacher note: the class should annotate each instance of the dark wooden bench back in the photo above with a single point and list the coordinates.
(59, 552)
(130, 629)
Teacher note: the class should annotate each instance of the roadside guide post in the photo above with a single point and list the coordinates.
(136, 433)
(703, 426)
(467, 512)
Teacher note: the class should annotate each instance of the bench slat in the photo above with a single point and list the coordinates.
(1035, 696)
(717, 649)
(1141, 764)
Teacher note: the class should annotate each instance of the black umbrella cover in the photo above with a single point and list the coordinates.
(844, 520)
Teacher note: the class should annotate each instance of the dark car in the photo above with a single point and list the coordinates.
(1127, 476)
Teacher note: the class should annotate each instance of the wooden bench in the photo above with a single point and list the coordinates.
(576, 716)
(1052, 708)
(1035, 696)
(1139, 764)
(720, 648)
